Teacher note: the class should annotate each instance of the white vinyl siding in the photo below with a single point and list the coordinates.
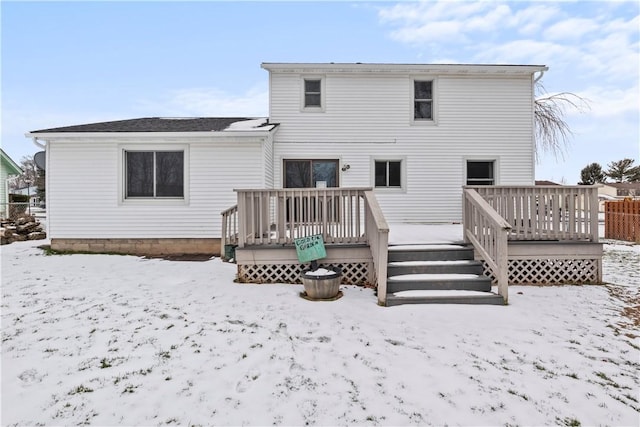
(369, 116)
(84, 199)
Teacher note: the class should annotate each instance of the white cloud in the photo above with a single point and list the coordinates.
(211, 102)
(570, 29)
(433, 32)
(529, 21)
(611, 101)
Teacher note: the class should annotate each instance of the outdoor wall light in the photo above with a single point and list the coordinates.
(346, 168)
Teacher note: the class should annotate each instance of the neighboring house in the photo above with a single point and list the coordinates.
(625, 189)
(32, 192)
(416, 133)
(8, 169)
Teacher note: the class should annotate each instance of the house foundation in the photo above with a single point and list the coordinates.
(141, 247)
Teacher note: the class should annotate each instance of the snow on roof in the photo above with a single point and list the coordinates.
(168, 124)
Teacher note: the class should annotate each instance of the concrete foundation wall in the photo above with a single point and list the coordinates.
(150, 247)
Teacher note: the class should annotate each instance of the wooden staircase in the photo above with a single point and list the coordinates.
(437, 274)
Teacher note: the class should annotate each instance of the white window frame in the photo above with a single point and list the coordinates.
(434, 101)
(312, 109)
(154, 201)
(403, 174)
(496, 168)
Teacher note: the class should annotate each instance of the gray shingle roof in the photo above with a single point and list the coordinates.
(154, 124)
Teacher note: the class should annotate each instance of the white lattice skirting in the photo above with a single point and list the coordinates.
(550, 271)
(352, 273)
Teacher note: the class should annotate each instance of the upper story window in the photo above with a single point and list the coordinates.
(312, 93)
(388, 173)
(480, 172)
(423, 100)
(154, 174)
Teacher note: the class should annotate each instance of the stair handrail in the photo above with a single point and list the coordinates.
(229, 234)
(377, 231)
(488, 232)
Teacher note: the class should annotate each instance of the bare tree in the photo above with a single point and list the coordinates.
(29, 174)
(552, 131)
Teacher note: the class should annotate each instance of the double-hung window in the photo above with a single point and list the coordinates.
(423, 100)
(388, 173)
(312, 96)
(154, 174)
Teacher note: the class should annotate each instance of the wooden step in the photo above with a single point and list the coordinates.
(429, 253)
(465, 266)
(444, 297)
(432, 282)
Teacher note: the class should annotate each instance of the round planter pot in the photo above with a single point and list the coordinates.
(321, 284)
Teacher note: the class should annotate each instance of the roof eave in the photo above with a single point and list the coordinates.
(500, 69)
(17, 170)
(150, 135)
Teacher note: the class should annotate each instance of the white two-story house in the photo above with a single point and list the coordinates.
(416, 133)
(401, 140)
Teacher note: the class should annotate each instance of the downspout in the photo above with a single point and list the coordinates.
(35, 141)
(535, 149)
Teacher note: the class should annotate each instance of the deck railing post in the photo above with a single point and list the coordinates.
(593, 207)
(242, 219)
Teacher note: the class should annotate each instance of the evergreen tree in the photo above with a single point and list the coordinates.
(621, 171)
(592, 174)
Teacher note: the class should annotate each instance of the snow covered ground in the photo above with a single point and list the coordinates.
(121, 340)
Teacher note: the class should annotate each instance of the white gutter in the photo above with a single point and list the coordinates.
(35, 141)
(540, 76)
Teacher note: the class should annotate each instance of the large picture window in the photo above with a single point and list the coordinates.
(154, 174)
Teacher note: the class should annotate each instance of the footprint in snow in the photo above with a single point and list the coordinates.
(30, 376)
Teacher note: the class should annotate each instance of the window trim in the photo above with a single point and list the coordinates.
(403, 174)
(433, 121)
(122, 170)
(312, 109)
(496, 169)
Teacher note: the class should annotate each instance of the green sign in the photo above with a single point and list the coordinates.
(310, 248)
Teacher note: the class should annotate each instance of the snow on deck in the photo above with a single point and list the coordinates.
(398, 248)
(411, 234)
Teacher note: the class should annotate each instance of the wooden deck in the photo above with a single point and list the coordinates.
(532, 234)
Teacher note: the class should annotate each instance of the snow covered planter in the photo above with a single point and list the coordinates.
(322, 284)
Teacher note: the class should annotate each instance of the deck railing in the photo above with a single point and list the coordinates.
(488, 232)
(545, 212)
(377, 233)
(229, 227)
(277, 217)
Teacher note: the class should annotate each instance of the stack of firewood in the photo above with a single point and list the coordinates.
(25, 227)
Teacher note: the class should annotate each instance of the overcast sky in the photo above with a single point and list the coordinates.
(81, 62)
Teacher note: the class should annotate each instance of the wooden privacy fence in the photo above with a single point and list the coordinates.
(622, 220)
